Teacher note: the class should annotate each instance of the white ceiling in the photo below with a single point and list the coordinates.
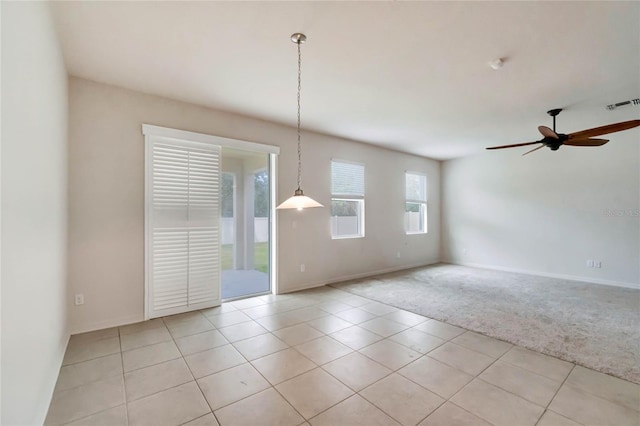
(412, 76)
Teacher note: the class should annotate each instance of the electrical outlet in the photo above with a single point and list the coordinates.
(598, 264)
(79, 299)
(590, 264)
(302, 267)
(398, 255)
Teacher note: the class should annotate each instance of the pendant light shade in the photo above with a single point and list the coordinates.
(299, 201)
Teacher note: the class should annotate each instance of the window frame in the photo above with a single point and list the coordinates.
(360, 199)
(423, 203)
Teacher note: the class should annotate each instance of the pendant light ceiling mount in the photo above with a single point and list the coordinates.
(299, 201)
(298, 38)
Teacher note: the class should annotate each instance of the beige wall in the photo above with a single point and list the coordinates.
(106, 200)
(34, 211)
(549, 212)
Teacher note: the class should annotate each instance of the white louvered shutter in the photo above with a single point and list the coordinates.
(347, 179)
(183, 230)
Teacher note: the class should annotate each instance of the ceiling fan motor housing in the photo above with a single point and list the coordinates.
(554, 143)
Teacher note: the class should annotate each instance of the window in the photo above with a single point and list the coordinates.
(347, 200)
(415, 216)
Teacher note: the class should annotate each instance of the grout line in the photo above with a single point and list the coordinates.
(98, 412)
(87, 360)
(151, 365)
(330, 407)
(199, 417)
(398, 420)
(431, 390)
(271, 386)
(162, 390)
(560, 387)
(196, 382)
(464, 347)
(124, 385)
(201, 392)
(459, 391)
(464, 409)
(148, 344)
(318, 366)
(286, 400)
(546, 408)
(487, 367)
(245, 397)
(573, 365)
(358, 392)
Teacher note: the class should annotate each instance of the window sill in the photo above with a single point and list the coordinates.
(346, 237)
(416, 233)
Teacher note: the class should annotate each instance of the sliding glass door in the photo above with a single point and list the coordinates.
(245, 223)
(208, 220)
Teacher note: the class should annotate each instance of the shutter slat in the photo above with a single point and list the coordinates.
(416, 187)
(203, 265)
(347, 179)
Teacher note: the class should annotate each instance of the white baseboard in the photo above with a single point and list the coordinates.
(116, 322)
(548, 274)
(360, 275)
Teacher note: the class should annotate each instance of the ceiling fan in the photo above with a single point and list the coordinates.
(583, 138)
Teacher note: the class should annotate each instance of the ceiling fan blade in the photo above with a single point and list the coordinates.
(514, 145)
(586, 142)
(534, 149)
(547, 132)
(603, 130)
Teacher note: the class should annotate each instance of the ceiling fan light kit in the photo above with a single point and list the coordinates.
(299, 201)
(554, 140)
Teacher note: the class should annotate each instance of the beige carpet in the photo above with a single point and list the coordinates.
(596, 326)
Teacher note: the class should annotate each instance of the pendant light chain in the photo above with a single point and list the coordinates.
(299, 88)
(299, 201)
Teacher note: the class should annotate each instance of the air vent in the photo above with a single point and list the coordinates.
(635, 102)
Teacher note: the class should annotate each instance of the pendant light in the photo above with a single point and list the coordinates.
(299, 200)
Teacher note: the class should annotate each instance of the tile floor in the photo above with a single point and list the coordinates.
(323, 357)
